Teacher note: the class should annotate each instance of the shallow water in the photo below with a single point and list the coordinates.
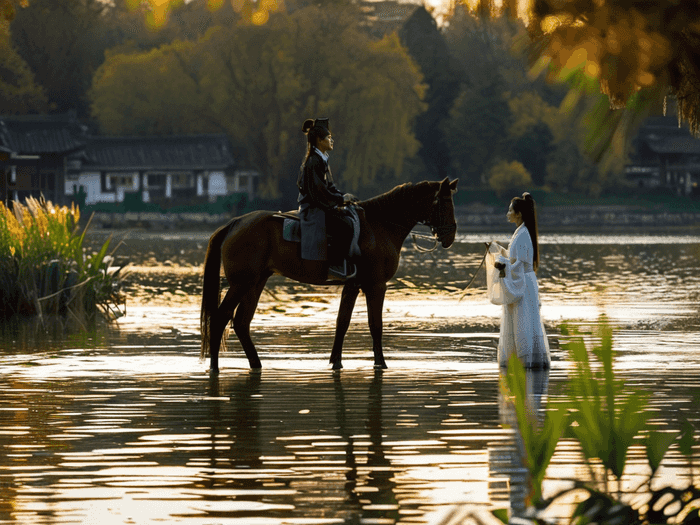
(125, 425)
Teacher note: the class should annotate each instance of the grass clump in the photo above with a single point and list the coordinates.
(44, 268)
(606, 417)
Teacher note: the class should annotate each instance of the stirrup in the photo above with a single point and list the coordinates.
(343, 271)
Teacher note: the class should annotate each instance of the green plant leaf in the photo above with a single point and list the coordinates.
(657, 444)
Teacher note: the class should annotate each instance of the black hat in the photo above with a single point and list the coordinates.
(311, 123)
(323, 122)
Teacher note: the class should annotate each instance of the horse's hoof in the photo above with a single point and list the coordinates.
(337, 366)
(213, 371)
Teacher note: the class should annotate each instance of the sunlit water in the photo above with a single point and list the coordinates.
(125, 424)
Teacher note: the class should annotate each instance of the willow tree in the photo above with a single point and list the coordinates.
(637, 54)
(19, 93)
(8, 8)
(258, 84)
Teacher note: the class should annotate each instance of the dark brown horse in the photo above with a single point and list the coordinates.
(251, 249)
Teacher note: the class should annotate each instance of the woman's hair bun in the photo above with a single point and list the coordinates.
(307, 125)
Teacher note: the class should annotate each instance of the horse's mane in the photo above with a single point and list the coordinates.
(400, 200)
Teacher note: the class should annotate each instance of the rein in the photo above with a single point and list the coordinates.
(464, 292)
(433, 238)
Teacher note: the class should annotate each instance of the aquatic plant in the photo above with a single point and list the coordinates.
(606, 417)
(44, 269)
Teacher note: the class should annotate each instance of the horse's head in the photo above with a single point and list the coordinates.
(442, 213)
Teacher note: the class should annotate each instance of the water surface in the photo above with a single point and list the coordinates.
(125, 425)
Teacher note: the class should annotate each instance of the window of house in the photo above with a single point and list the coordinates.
(182, 180)
(119, 180)
(156, 180)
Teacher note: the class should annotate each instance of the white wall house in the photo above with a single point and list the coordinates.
(169, 170)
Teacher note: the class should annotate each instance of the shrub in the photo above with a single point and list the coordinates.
(509, 177)
(44, 269)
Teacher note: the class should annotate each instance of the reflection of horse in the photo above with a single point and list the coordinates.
(251, 249)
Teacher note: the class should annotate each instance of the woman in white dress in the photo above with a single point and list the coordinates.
(522, 330)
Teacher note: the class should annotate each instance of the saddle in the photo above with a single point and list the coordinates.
(291, 227)
(343, 270)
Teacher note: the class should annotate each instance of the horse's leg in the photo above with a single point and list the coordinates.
(241, 322)
(375, 304)
(219, 321)
(347, 304)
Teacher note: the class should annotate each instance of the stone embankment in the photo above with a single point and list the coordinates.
(473, 217)
(160, 221)
(578, 218)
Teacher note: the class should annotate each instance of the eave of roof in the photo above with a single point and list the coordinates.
(686, 145)
(176, 152)
(42, 134)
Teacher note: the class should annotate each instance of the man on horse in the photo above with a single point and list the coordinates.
(321, 203)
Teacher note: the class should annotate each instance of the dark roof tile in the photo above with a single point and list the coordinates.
(36, 134)
(186, 152)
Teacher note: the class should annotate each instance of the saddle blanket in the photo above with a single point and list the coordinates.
(291, 231)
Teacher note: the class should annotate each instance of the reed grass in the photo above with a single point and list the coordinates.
(44, 267)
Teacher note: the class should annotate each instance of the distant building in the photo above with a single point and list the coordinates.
(54, 156)
(33, 155)
(665, 156)
(167, 170)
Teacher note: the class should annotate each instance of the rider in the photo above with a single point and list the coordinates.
(319, 199)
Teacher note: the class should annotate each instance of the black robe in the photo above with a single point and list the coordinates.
(317, 196)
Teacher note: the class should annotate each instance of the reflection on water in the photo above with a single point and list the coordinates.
(124, 425)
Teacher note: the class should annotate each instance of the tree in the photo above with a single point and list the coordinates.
(443, 77)
(531, 133)
(627, 47)
(8, 8)
(628, 57)
(157, 13)
(476, 130)
(63, 42)
(509, 177)
(258, 84)
(185, 21)
(19, 94)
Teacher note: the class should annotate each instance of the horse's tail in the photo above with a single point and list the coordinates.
(211, 284)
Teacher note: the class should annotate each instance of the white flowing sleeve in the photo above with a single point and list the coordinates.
(511, 288)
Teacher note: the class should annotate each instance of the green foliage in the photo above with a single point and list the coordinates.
(258, 84)
(509, 178)
(63, 43)
(539, 440)
(475, 130)
(19, 93)
(43, 268)
(605, 417)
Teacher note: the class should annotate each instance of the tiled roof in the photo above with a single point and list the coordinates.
(687, 145)
(36, 134)
(185, 152)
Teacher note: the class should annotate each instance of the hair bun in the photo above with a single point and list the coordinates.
(307, 125)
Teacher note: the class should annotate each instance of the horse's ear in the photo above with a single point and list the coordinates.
(453, 185)
(445, 186)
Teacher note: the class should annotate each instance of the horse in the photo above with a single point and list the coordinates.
(251, 248)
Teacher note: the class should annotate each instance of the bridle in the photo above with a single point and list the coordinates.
(438, 226)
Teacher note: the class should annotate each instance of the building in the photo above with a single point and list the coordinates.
(169, 170)
(54, 156)
(33, 155)
(665, 156)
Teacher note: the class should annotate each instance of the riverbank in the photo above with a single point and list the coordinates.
(472, 217)
(478, 217)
